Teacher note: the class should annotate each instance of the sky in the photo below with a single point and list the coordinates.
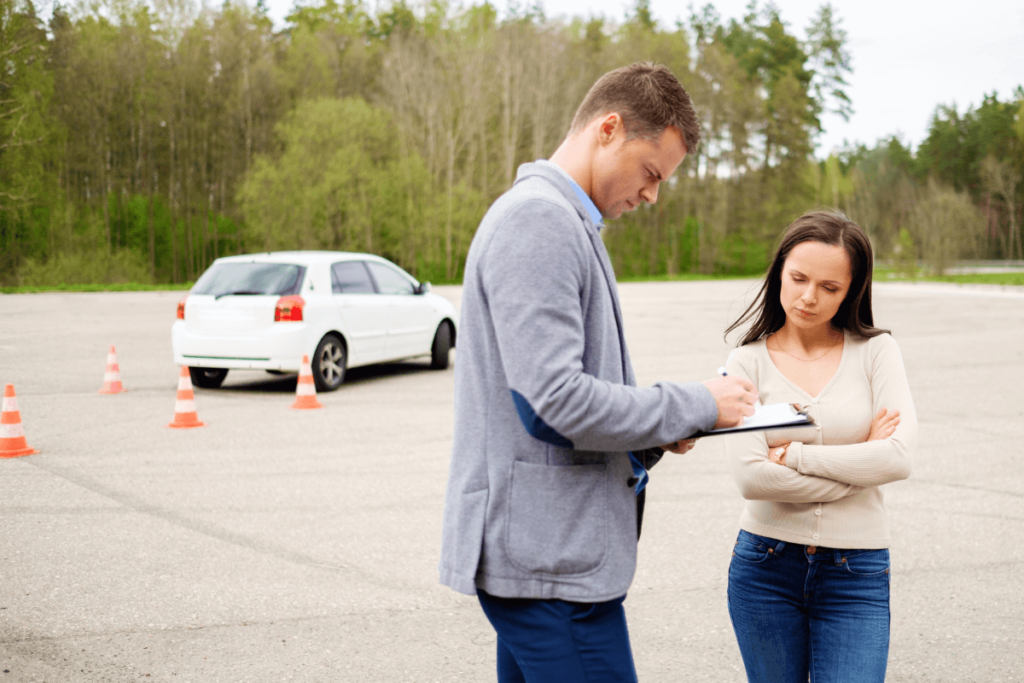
(908, 56)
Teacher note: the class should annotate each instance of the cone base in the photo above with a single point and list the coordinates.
(105, 390)
(306, 404)
(175, 425)
(18, 453)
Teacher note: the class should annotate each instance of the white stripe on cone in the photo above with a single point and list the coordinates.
(111, 359)
(304, 389)
(10, 404)
(184, 383)
(11, 431)
(111, 376)
(184, 406)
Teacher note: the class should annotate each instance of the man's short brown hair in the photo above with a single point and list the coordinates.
(647, 97)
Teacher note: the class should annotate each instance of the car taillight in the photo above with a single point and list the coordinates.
(181, 309)
(288, 309)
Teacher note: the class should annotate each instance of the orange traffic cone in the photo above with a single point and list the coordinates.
(112, 377)
(185, 407)
(12, 434)
(305, 390)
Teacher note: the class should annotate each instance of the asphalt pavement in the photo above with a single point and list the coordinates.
(280, 545)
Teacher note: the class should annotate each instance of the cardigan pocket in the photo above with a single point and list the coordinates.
(557, 518)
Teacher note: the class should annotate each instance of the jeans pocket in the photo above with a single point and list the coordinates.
(866, 562)
(557, 518)
(751, 548)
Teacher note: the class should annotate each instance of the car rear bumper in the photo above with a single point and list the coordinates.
(280, 348)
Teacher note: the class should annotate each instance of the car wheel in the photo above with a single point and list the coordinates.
(329, 363)
(207, 378)
(441, 346)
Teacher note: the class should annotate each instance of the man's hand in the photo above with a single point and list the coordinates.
(735, 398)
(681, 446)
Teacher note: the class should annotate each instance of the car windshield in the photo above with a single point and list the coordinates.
(224, 279)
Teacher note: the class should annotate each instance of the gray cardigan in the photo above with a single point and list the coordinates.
(540, 500)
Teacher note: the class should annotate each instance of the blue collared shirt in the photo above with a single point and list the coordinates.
(639, 471)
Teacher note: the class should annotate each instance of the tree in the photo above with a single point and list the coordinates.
(27, 138)
(1001, 179)
(826, 47)
(947, 225)
(337, 184)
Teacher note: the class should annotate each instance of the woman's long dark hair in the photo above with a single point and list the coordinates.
(827, 227)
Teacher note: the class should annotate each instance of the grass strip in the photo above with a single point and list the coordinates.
(1009, 279)
(685, 277)
(880, 275)
(109, 287)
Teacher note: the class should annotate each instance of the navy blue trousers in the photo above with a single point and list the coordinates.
(555, 641)
(805, 612)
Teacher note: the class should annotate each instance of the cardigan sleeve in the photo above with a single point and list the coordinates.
(871, 463)
(757, 477)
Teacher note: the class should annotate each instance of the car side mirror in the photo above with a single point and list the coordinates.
(421, 288)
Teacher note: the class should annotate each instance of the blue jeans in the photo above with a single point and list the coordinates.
(804, 611)
(556, 641)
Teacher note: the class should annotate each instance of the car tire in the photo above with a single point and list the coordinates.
(441, 346)
(329, 363)
(207, 378)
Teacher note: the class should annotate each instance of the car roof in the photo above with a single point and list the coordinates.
(300, 257)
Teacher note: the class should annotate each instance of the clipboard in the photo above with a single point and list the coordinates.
(772, 416)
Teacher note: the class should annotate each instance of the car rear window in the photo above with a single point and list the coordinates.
(279, 279)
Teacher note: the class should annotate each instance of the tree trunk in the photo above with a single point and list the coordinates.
(106, 198)
(449, 274)
(171, 196)
(151, 234)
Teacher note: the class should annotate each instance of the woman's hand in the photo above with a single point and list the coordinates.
(777, 454)
(884, 424)
(681, 446)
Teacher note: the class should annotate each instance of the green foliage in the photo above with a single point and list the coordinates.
(340, 183)
(947, 225)
(95, 267)
(1015, 279)
(103, 287)
(905, 255)
(957, 144)
(827, 50)
(143, 140)
(29, 138)
(1009, 278)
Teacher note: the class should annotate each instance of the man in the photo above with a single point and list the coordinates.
(551, 432)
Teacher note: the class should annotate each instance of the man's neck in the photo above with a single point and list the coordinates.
(571, 158)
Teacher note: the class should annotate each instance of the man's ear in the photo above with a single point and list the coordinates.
(610, 128)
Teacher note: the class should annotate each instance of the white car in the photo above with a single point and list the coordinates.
(264, 311)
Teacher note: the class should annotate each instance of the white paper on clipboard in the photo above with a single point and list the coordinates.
(771, 416)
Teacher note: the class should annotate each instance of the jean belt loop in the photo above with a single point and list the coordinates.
(779, 548)
(838, 555)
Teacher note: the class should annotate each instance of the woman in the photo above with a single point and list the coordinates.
(809, 577)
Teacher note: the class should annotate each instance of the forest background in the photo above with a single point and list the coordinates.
(139, 141)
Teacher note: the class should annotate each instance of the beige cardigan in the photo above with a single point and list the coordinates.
(829, 492)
